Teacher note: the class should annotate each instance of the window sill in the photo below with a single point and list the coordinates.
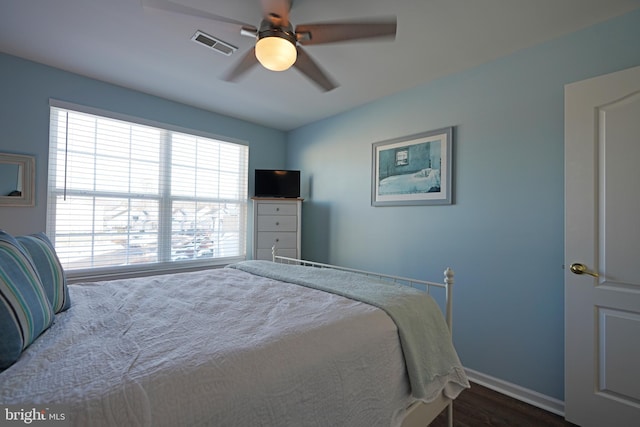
(128, 272)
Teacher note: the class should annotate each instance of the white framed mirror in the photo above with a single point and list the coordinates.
(17, 180)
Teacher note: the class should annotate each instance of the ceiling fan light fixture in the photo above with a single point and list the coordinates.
(276, 50)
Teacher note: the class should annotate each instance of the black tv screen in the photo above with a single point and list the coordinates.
(277, 183)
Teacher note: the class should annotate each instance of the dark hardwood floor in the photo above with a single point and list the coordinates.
(480, 406)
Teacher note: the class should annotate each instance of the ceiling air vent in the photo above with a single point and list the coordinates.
(213, 43)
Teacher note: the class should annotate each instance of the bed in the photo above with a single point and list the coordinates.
(257, 343)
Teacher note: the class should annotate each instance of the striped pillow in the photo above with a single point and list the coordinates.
(25, 310)
(47, 263)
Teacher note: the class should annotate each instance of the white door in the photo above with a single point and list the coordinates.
(602, 237)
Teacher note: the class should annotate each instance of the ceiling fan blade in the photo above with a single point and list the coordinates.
(169, 6)
(247, 62)
(333, 32)
(277, 11)
(311, 70)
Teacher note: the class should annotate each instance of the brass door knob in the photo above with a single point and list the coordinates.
(578, 268)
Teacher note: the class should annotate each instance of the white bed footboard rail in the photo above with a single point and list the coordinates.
(415, 283)
(424, 285)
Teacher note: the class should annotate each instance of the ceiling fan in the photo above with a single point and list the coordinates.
(278, 45)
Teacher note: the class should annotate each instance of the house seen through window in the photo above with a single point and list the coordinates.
(122, 193)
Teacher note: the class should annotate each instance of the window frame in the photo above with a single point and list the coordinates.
(165, 201)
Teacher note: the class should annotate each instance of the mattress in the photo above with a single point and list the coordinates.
(219, 347)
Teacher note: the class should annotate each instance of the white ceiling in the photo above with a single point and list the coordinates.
(121, 42)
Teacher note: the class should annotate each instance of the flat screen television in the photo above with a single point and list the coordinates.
(277, 183)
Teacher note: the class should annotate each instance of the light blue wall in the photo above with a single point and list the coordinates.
(26, 87)
(504, 234)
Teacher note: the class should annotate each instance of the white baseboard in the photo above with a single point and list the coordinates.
(517, 392)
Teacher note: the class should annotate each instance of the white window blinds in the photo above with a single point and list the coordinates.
(123, 194)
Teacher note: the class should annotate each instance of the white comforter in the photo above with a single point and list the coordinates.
(219, 348)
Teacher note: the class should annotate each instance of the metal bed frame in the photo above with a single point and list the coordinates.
(419, 413)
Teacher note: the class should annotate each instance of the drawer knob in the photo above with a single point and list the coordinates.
(277, 223)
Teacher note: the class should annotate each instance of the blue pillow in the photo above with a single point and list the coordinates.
(25, 310)
(48, 266)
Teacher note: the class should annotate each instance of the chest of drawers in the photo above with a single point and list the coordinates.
(276, 222)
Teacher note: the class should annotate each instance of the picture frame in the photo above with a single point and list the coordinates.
(413, 170)
(17, 180)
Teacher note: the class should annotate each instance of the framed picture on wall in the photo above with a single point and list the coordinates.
(413, 170)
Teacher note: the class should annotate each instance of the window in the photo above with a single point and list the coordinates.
(125, 195)
(402, 157)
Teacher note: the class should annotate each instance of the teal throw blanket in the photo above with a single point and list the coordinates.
(432, 364)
